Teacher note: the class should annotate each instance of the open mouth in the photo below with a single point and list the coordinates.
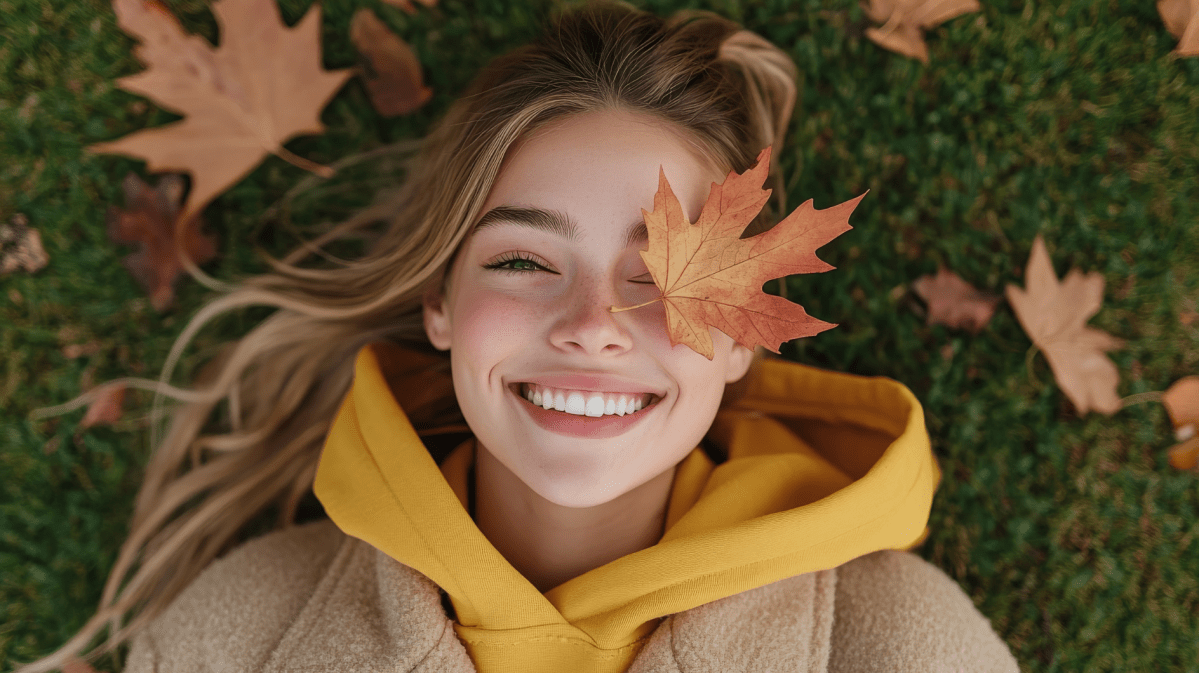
(597, 425)
(576, 403)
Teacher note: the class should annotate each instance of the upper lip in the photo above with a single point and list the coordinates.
(603, 383)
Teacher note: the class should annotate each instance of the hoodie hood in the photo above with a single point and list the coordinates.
(821, 468)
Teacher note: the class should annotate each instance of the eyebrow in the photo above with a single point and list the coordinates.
(553, 222)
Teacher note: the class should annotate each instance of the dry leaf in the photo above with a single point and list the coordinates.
(709, 276)
(1182, 20)
(394, 82)
(21, 247)
(1054, 316)
(262, 87)
(407, 5)
(151, 221)
(75, 665)
(106, 408)
(954, 302)
(1181, 400)
(903, 21)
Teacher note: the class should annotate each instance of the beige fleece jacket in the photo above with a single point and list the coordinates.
(311, 598)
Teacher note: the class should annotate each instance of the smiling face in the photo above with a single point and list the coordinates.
(528, 296)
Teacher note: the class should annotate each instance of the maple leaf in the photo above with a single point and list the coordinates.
(1182, 20)
(396, 86)
(1054, 316)
(263, 86)
(709, 276)
(151, 220)
(903, 21)
(21, 247)
(954, 302)
(1181, 400)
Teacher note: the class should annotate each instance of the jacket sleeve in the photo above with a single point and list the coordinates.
(232, 615)
(898, 613)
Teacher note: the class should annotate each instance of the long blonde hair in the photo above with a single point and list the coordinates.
(731, 91)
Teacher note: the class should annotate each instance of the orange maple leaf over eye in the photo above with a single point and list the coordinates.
(709, 276)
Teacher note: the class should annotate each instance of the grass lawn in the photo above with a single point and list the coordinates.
(1069, 119)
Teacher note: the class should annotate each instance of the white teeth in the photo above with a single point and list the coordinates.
(577, 403)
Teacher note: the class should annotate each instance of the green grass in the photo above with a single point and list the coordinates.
(1073, 535)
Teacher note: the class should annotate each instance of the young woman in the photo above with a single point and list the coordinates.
(516, 478)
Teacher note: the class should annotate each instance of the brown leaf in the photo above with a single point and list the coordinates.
(710, 277)
(1184, 455)
(1054, 316)
(151, 222)
(1182, 20)
(106, 408)
(954, 302)
(903, 21)
(21, 247)
(395, 83)
(1181, 400)
(263, 86)
(74, 665)
(407, 5)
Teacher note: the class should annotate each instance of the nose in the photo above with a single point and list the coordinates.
(587, 326)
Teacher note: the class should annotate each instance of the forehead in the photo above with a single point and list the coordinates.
(600, 169)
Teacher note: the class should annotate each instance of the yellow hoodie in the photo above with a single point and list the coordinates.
(822, 468)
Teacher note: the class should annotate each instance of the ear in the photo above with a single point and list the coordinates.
(437, 319)
(740, 358)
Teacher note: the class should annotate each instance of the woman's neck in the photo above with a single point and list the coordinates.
(550, 544)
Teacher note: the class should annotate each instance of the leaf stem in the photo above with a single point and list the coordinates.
(1032, 353)
(1140, 398)
(300, 162)
(613, 309)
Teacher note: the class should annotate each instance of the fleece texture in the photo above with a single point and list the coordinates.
(785, 549)
(311, 599)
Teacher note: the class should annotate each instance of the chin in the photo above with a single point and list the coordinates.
(576, 493)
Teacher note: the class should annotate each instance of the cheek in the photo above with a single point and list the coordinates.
(490, 325)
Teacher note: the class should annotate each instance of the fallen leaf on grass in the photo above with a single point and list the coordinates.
(150, 219)
(954, 302)
(1054, 315)
(263, 86)
(904, 20)
(710, 277)
(77, 666)
(1181, 400)
(394, 80)
(21, 247)
(106, 408)
(407, 5)
(1182, 20)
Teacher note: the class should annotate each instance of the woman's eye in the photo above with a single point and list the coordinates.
(518, 263)
(515, 263)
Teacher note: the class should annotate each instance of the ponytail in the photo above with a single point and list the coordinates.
(768, 79)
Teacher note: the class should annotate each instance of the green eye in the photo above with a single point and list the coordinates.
(514, 259)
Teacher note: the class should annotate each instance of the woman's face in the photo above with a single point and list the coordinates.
(567, 199)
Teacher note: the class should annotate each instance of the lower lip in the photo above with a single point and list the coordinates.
(595, 427)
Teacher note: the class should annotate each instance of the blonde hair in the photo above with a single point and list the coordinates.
(729, 90)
